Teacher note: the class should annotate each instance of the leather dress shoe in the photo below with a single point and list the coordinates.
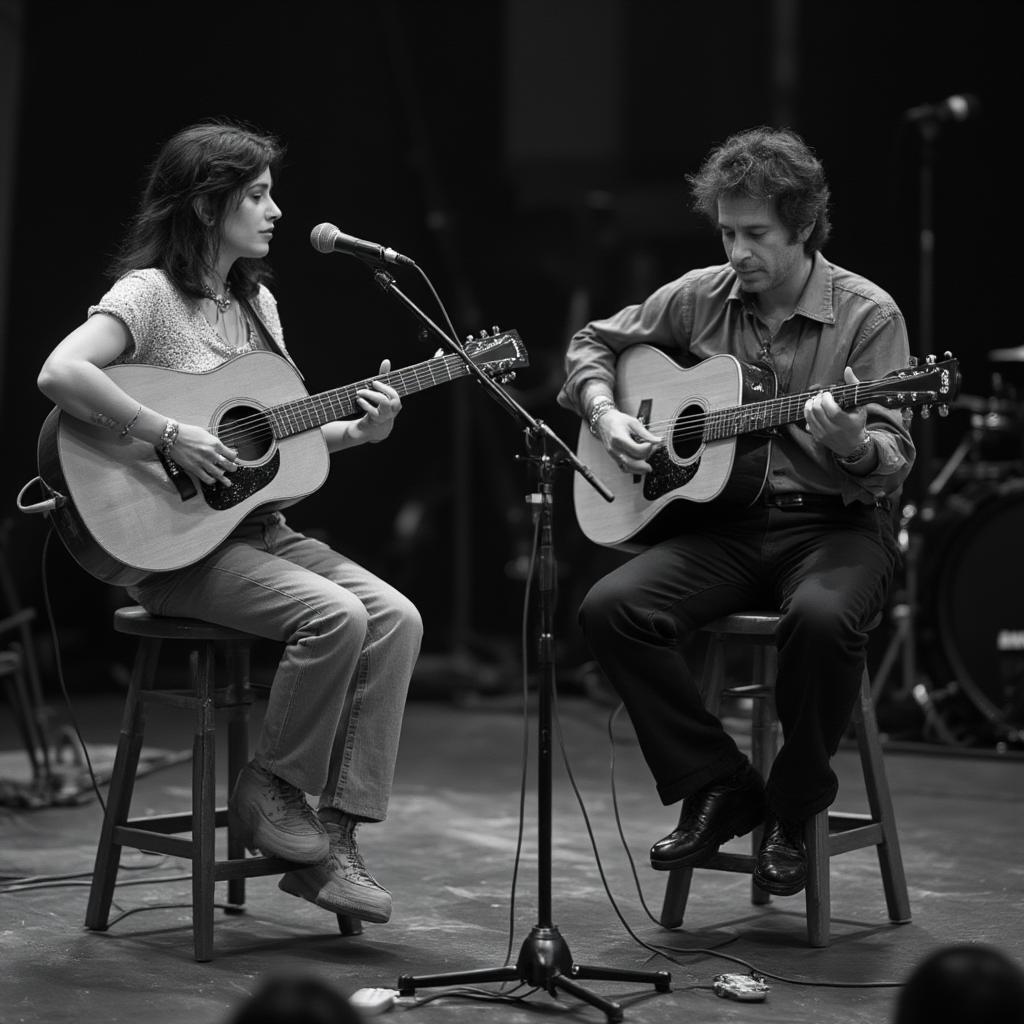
(781, 867)
(725, 808)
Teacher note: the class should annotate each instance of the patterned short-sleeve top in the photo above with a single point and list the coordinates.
(168, 328)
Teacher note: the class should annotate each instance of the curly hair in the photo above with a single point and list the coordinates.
(772, 164)
(190, 187)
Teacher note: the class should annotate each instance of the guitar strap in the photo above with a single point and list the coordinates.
(268, 340)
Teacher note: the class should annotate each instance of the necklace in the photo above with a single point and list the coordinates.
(222, 301)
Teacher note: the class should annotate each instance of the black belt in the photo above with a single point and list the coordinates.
(814, 501)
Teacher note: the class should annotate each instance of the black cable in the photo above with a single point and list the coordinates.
(60, 666)
(754, 971)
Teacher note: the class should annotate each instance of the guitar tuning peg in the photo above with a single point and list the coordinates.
(947, 354)
(943, 410)
(930, 360)
(469, 337)
(926, 412)
(495, 329)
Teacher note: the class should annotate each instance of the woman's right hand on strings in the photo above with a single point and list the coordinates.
(204, 455)
(627, 441)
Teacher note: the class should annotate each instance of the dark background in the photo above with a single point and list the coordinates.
(530, 156)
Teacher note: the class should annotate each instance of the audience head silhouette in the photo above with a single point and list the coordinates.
(296, 1000)
(963, 983)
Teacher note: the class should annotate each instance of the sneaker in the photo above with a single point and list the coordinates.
(275, 817)
(341, 883)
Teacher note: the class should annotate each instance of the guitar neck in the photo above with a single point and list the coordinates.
(314, 411)
(775, 412)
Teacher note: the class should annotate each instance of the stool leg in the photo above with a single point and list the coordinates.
(238, 753)
(122, 784)
(762, 747)
(818, 897)
(890, 861)
(677, 892)
(204, 796)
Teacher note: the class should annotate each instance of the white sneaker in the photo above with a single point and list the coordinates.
(275, 817)
(341, 883)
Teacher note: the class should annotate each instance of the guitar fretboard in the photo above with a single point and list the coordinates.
(744, 419)
(315, 410)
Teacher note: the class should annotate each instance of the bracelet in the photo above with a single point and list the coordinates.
(859, 452)
(127, 428)
(597, 410)
(168, 437)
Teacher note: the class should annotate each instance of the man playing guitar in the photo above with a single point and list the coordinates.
(815, 540)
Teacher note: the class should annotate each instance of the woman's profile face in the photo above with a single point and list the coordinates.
(248, 226)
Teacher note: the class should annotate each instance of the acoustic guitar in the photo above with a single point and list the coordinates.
(123, 510)
(716, 421)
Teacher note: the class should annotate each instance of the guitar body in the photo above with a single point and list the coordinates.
(127, 517)
(674, 402)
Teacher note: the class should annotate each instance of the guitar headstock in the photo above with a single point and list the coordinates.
(923, 386)
(498, 353)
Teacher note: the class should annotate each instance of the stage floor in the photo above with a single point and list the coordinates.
(447, 852)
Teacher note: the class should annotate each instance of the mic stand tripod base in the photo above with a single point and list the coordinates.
(545, 962)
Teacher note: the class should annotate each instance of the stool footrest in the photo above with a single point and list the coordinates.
(222, 698)
(855, 838)
(180, 821)
(252, 867)
(152, 841)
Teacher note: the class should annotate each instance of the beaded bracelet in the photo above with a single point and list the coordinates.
(127, 428)
(859, 452)
(597, 410)
(168, 437)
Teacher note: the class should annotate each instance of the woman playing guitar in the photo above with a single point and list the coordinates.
(188, 295)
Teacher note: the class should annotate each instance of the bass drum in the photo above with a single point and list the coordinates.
(972, 614)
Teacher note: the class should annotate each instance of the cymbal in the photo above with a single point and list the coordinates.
(1007, 355)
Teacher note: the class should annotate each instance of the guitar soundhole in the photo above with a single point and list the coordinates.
(246, 429)
(688, 432)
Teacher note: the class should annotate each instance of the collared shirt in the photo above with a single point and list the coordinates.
(840, 320)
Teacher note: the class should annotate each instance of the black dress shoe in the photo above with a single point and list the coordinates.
(781, 867)
(726, 808)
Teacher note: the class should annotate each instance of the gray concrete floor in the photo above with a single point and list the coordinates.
(447, 852)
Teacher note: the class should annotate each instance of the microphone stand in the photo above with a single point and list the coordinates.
(544, 958)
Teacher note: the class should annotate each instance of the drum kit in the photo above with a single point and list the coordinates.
(957, 614)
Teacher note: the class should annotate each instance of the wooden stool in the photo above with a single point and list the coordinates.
(828, 833)
(158, 833)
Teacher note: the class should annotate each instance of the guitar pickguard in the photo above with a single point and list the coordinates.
(245, 481)
(666, 475)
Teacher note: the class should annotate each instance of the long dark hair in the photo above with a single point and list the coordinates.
(196, 176)
(768, 163)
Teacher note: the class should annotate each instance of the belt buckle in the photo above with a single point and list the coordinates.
(789, 500)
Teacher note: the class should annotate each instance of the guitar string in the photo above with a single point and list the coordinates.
(696, 424)
(297, 411)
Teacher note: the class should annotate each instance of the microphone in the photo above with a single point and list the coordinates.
(958, 107)
(327, 238)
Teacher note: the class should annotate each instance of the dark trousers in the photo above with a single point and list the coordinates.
(826, 569)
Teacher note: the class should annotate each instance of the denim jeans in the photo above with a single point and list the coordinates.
(828, 572)
(335, 709)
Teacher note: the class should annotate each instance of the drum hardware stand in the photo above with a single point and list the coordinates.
(544, 958)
